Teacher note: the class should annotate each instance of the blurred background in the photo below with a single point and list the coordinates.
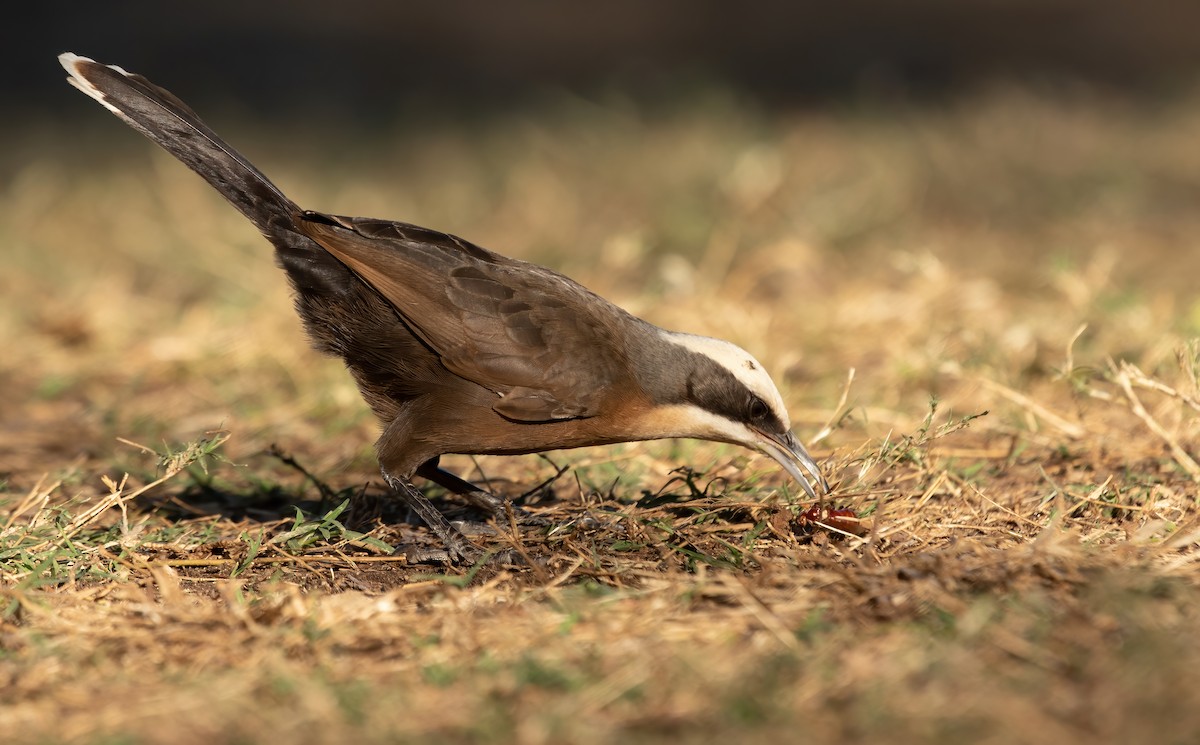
(368, 56)
(1040, 76)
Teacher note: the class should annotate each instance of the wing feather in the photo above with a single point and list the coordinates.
(540, 341)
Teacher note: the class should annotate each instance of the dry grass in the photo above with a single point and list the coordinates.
(1024, 576)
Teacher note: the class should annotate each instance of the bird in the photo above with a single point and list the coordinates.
(458, 349)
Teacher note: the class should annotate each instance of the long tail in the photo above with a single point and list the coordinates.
(162, 117)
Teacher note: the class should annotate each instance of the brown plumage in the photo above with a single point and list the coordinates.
(458, 349)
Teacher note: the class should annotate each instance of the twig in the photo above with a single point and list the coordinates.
(116, 498)
(558, 472)
(327, 494)
(1140, 379)
(286, 559)
(1184, 460)
(1070, 363)
(1070, 429)
(837, 410)
(514, 538)
(37, 496)
(1094, 498)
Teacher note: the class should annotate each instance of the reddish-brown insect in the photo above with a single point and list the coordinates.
(844, 520)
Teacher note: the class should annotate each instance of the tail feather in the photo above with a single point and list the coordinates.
(171, 123)
(162, 117)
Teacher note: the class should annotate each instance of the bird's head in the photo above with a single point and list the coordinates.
(710, 389)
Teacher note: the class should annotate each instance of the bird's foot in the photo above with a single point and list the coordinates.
(457, 549)
(502, 510)
(464, 554)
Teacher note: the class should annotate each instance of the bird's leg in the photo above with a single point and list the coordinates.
(458, 550)
(496, 507)
(489, 503)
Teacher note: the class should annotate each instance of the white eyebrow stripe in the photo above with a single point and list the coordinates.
(740, 363)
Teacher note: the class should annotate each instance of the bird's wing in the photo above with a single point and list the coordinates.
(539, 340)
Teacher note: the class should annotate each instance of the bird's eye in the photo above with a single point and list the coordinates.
(758, 409)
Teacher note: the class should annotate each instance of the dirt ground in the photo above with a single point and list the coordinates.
(983, 316)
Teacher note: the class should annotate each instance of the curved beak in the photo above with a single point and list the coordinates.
(795, 460)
